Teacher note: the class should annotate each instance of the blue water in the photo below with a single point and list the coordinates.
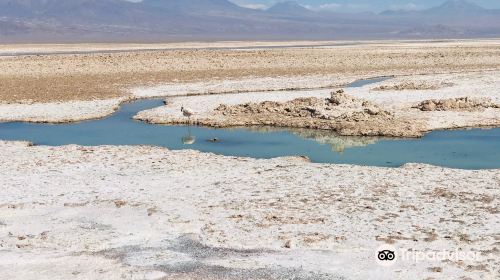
(467, 149)
(364, 82)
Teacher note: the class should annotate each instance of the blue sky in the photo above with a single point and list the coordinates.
(364, 5)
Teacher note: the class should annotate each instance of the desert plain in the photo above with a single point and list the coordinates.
(140, 212)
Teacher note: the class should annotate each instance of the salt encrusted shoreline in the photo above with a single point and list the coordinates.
(61, 112)
(73, 111)
(201, 98)
(149, 213)
(398, 102)
(254, 84)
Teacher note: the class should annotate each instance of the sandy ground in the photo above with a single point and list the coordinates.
(54, 78)
(150, 213)
(75, 87)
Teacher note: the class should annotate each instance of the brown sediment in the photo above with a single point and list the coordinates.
(457, 104)
(341, 113)
(54, 78)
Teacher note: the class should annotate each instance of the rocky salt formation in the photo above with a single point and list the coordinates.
(457, 104)
(341, 113)
(412, 86)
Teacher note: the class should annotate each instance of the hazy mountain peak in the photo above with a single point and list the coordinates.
(457, 7)
(289, 8)
(448, 8)
(194, 5)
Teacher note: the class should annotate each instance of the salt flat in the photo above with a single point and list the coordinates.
(145, 212)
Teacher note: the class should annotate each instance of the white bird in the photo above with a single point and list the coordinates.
(187, 112)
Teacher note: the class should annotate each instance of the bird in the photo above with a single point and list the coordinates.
(187, 112)
(213, 140)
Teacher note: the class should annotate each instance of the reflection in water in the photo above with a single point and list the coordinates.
(339, 143)
(188, 139)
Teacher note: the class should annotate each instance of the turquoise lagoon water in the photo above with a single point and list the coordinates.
(466, 149)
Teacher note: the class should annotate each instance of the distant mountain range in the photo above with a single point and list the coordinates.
(452, 8)
(162, 20)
